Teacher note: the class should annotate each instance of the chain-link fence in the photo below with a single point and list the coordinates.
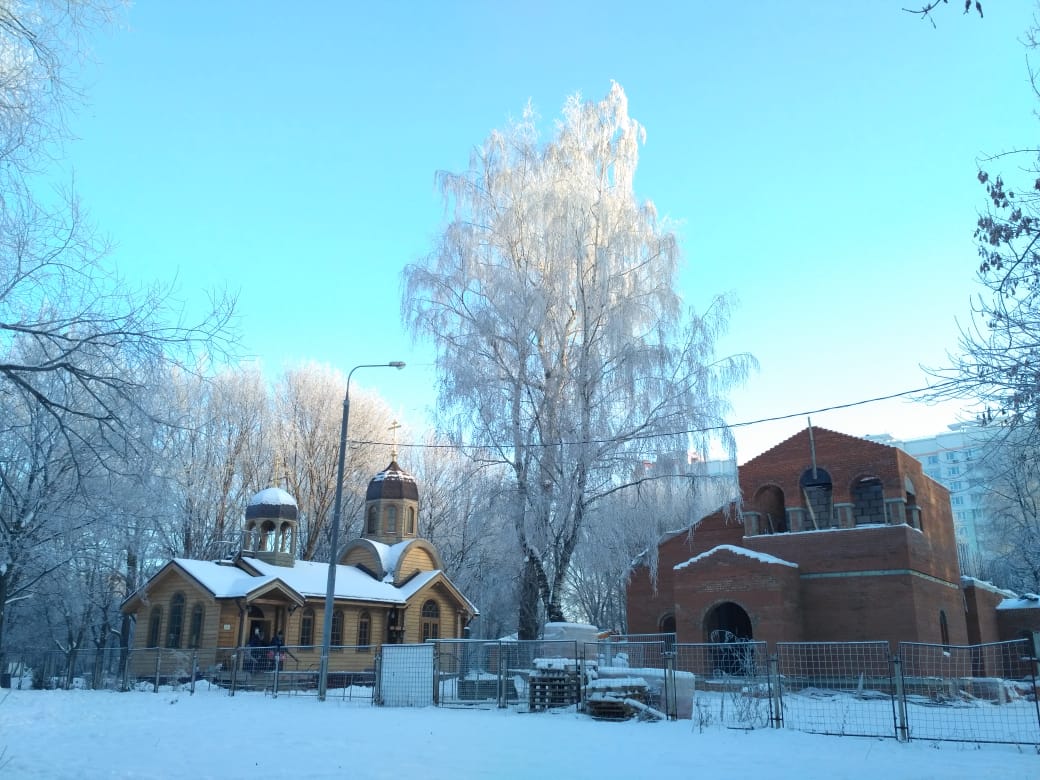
(980, 693)
(528, 675)
(722, 683)
(843, 688)
(285, 670)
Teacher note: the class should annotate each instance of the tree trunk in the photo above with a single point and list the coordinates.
(529, 601)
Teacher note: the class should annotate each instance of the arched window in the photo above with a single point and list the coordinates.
(337, 627)
(285, 540)
(391, 519)
(944, 630)
(154, 624)
(373, 518)
(173, 630)
(431, 620)
(267, 532)
(307, 628)
(410, 528)
(913, 511)
(817, 491)
(364, 631)
(198, 613)
(769, 501)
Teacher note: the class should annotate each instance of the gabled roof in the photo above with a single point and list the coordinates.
(754, 555)
(801, 442)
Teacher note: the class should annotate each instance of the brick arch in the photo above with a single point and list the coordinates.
(769, 502)
(726, 615)
(817, 490)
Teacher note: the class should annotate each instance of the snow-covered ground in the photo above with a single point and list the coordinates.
(98, 734)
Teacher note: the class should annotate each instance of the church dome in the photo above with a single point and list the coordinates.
(392, 482)
(272, 502)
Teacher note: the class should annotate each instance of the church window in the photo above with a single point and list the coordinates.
(154, 623)
(173, 630)
(337, 627)
(944, 630)
(364, 631)
(391, 519)
(373, 515)
(307, 627)
(817, 491)
(195, 631)
(769, 502)
(431, 620)
(410, 528)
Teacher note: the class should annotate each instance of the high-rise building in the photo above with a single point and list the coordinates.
(954, 460)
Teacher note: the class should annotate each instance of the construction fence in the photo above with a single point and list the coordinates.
(978, 693)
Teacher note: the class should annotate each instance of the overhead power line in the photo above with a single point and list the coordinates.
(691, 431)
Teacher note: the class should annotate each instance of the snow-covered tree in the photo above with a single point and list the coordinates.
(216, 454)
(1011, 539)
(308, 409)
(563, 347)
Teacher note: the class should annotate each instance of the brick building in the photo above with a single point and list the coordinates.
(837, 539)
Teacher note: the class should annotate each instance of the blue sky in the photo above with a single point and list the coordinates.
(819, 160)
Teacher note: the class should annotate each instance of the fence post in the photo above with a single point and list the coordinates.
(902, 734)
(776, 718)
(277, 669)
(194, 670)
(234, 672)
(158, 666)
(671, 693)
(501, 679)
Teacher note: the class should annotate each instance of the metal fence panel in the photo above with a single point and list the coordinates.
(406, 675)
(978, 693)
(843, 688)
(498, 673)
(720, 684)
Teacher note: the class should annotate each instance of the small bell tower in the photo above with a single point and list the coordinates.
(270, 531)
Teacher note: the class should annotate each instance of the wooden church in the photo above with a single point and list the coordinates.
(390, 588)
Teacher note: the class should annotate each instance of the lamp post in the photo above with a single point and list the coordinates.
(330, 590)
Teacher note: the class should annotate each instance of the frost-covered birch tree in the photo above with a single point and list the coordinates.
(563, 346)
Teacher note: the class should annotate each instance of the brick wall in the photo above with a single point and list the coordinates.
(857, 583)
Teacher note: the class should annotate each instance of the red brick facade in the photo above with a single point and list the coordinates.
(837, 539)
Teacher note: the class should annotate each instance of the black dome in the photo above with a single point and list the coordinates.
(392, 482)
(272, 504)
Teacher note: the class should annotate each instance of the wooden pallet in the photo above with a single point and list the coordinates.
(552, 689)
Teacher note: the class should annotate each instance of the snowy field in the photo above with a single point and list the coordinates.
(99, 734)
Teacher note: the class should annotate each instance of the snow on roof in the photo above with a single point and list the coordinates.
(984, 585)
(761, 557)
(272, 496)
(389, 555)
(310, 578)
(221, 579)
(1027, 601)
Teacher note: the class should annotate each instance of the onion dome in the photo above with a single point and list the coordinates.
(271, 503)
(392, 483)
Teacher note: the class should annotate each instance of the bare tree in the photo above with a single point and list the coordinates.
(63, 312)
(1011, 539)
(217, 452)
(563, 347)
(309, 413)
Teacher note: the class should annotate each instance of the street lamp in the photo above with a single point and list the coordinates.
(330, 590)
